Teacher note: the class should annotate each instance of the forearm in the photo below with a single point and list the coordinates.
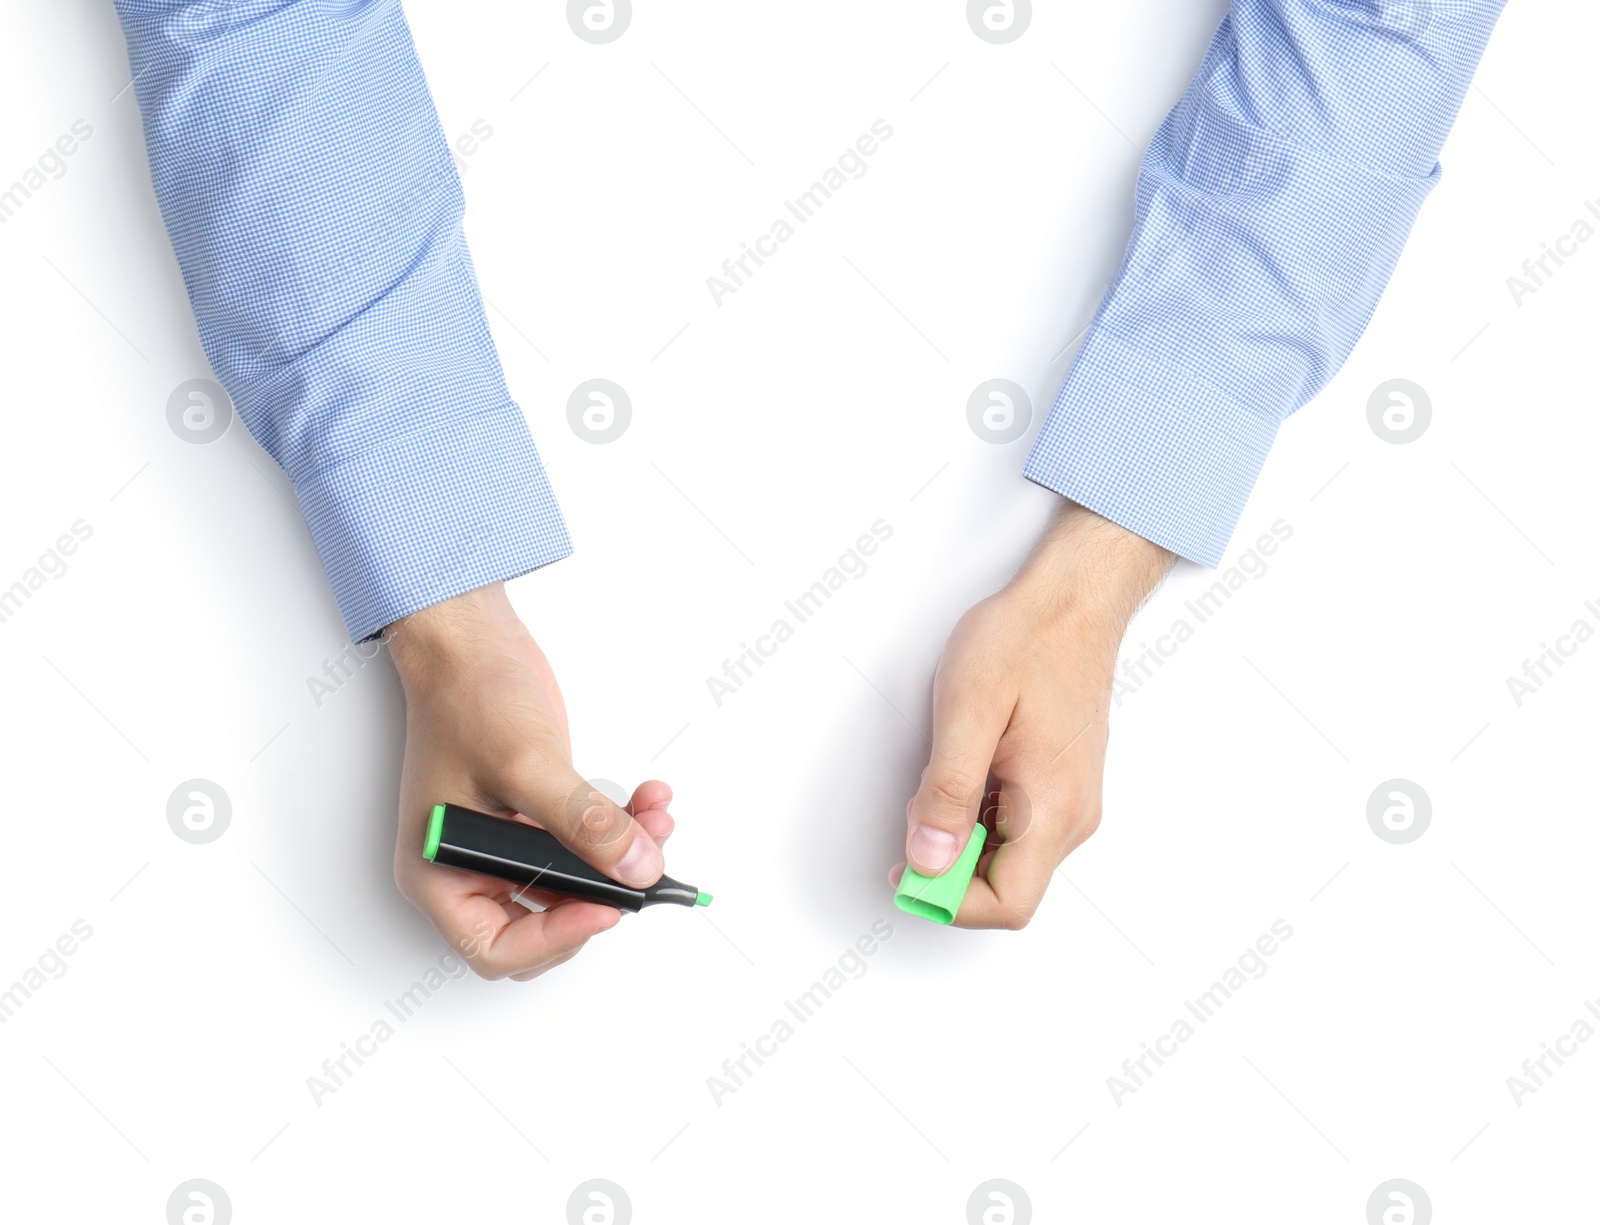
(1271, 209)
(1087, 575)
(316, 215)
(437, 644)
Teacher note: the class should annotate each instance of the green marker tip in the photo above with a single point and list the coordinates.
(430, 845)
(702, 899)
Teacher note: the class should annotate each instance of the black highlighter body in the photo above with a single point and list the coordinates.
(527, 855)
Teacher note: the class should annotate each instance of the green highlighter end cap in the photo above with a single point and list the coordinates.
(938, 898)
(702, 899)
(430, 844)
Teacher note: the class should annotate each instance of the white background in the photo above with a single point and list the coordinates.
(828, 393)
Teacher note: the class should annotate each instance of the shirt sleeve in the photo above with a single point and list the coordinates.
(315, 211)
(1271, 208)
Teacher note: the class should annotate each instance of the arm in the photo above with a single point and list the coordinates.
(1271, 208)
(316, 215)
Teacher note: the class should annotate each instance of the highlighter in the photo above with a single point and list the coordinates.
(938, 898)
(516, 851)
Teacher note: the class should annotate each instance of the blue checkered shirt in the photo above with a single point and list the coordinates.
(1270, 210)
(315, 210)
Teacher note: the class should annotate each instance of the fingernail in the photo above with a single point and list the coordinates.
(932, 850)
(642, 864)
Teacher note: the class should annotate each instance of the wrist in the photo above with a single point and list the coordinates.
(1088, 572)
(450, 630)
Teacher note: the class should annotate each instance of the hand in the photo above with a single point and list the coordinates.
(486, 728)
(1020, 705)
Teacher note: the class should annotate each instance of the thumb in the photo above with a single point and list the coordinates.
(586, 821)
(940, 817)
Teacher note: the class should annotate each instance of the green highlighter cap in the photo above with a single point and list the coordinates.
(937, 898)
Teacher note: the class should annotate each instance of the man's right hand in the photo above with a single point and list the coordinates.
(1021, 700)
(486, 728)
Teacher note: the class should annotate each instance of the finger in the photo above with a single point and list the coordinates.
(967, 725)
(529, 975)
(658, 823)
(539, 902)
(1015, 877)
(521, 955)
(584, 819)
(528, 898)
(650, 794)
(649, 809)
(498, 946)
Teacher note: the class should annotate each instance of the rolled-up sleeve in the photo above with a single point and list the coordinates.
(1271, 208)
(316, 215)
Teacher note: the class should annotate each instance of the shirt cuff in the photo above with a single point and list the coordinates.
(431, 515)
(1152, 448)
